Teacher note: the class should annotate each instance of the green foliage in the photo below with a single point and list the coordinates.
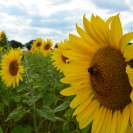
(1, 131)
(20, 129)
(16, 114)
(36, 106)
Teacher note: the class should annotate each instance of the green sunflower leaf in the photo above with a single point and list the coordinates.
(16, 114)
(46, 112)
(1, 131)
(61, 106)
(18, 129)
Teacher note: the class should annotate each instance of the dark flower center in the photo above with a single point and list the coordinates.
(13, 67)
(2, 35)
(64, 59)
(47, 47)
(109, 80)
(38, 44)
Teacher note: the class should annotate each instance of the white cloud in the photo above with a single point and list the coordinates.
(130, 4)
(117, 5)
(25, 20)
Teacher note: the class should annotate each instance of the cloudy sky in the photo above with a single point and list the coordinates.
(24, 20)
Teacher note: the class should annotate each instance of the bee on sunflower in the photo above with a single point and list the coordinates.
(101, 79)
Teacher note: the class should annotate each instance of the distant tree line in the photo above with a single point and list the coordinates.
(16, 44)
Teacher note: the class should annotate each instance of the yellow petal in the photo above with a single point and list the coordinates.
(131, 95)
(109, 20)
(129, 72)
(72, 54)
(107, 130)
(86, 37)
(116, 30)
(125, 119)
(89, 118)
(119, 119)
(131, 113)
(78, 100)
(88, 110)
(125, 40)
(69, 91)
(88, 114)
(100, 32)
(84, 91)
(97, 119)
(87, 27)
(82, 106)
(129, 129)
(73, 81)
(128, 52)
(100, 121)
(113, 123)
(104, 124)
(81, 44)
(90, 31)
(102, 26)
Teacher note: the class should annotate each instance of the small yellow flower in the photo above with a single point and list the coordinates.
(1, 48)
(59, 60)
(46, 47)
(19, 51)
(36, 45)
(2, 35)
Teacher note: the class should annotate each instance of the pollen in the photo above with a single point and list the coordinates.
(109, 80)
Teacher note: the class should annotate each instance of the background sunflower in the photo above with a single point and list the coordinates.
(36, 45)
(59, 60)
(11, 68)
(46, 47)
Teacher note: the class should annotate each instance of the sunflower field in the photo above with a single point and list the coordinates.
(30, 91)
(80, 85)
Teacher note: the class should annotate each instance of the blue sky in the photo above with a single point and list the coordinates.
(24, 20)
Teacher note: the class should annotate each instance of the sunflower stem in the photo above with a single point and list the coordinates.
(32, 94)
(9, 109)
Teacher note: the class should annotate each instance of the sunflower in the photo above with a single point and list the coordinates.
(36, 45)
(11, 69)
(19, 50)
(2, 35)
(100, 75)
(46, 47)
(59, 60)
(1, 48)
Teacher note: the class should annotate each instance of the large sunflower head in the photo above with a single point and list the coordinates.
(36, 45)
(100, 75)
(59, 60)
(46, 47)
(11, 68)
